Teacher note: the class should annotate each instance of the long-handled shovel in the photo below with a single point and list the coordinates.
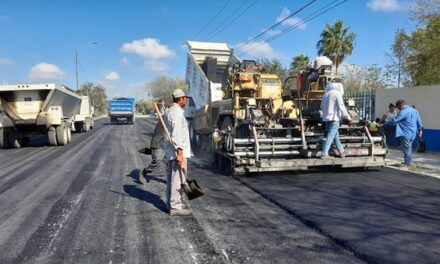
(190, 187)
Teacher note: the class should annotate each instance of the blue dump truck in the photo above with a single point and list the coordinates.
(122, 110)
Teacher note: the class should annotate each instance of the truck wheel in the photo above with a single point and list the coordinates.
(52, 136)
(202, 141)
(2, 141)
(61, 135)
(85, 126)
(92, 124)
(69, 135)
(12, 139)
(25, 141)
(208, 143)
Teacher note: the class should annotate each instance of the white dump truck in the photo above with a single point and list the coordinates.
(207, 78)
(36, 109)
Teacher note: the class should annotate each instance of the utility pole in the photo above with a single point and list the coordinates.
(76, 69)
(76, 65)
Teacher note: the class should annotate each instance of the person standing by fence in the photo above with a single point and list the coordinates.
(390, 130)
(408, 125)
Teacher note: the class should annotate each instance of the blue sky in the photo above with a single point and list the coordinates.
(138, 40)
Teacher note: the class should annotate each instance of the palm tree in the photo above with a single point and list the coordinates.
(336, 43)
(298, 63)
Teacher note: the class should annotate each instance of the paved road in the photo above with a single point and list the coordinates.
(82, 204)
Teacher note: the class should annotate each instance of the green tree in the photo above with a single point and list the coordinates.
(336, 43)
(424, 47)
(97, 94)
(144, 106)
(420, 49)
(274, 66)
(298, 63)
(162, 87)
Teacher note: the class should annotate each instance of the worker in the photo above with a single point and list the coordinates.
(338, 82)
(390, 114)
(177, 126)
(157, 153)
(408, 125)
(333, 108)
(390, 130)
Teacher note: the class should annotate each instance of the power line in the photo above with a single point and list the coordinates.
(237, 17)
(285, 31)
(277, 24)
(212, 20)
(228, 18)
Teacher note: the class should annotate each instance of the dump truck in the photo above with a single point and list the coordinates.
(37, 109)
(84, 120)
(122, 110)
(206, 76)
(261, 124)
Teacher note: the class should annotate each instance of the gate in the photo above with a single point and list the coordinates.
(364, 103)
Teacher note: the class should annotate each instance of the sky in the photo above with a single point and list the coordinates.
(125, 44)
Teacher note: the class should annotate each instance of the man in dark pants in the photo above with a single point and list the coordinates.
(408, 125)
(157, 152)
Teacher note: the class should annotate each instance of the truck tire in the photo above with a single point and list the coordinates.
(85, 126)
(69, 135)
(2, 142)
(25, 141)
(202, 141)
(61, 132)
(12, 140)
(52, 136)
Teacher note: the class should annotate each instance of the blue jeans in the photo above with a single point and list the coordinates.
(406, 147)
(332, 136)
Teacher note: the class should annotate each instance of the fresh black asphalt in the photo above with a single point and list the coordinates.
(82, 203)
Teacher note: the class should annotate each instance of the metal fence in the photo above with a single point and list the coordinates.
(364, 103)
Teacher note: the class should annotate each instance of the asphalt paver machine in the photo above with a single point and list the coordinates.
(265, 126)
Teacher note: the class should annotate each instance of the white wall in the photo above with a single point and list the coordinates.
(425, 98)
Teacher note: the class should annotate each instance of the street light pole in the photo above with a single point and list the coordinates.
(76, 69)
(77, 62)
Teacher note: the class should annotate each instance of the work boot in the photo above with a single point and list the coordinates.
(182, 212)
(342, 155)
(142, 179)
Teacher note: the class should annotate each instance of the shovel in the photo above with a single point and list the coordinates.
(190, 187)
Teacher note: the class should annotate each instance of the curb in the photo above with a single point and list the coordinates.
(427, 171)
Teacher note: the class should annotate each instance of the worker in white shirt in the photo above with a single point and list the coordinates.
(333, 109)
(177, 126)
(338, 82)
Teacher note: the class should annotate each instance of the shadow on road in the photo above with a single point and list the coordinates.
(146, 196)
(146, 151)
(136, 173)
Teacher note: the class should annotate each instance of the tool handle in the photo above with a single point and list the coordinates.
(170, 140)
(167, 133)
